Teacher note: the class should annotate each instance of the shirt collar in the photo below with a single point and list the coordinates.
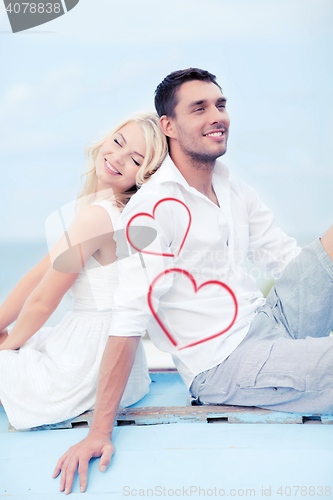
(168, 172)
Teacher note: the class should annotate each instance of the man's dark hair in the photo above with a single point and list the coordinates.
(166, 91)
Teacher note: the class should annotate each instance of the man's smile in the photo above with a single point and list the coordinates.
(217, 134)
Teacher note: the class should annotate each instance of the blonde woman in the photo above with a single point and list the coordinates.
(47, 374)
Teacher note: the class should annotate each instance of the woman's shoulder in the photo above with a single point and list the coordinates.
(94, 219)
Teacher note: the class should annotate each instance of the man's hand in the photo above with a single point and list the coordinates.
(116, 365)
(78, 456)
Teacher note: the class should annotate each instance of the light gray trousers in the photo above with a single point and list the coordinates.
(285, 362)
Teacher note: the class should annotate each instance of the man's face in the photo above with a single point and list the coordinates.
(201, 122)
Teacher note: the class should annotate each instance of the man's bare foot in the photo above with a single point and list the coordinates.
(3, 336)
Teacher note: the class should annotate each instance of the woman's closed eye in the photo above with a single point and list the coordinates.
(135, 161)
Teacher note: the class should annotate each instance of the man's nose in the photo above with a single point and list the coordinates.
(215, 115)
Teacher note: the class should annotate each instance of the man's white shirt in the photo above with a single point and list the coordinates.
(167, 287)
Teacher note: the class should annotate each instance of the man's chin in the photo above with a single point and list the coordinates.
(222, 152)
(218, 150)
(212, 156)
(206, 158)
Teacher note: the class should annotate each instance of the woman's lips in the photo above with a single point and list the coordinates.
(110, 168)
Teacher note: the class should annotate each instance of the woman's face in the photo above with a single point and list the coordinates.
(120, 158)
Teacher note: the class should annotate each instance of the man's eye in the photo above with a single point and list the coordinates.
(198, 109)
(221, 106)
(136, 162)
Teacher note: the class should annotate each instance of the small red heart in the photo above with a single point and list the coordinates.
(196, 289)
(144, 214)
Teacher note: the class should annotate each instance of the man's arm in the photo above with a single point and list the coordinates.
(269, 246)
(116, 365)
(131, 314)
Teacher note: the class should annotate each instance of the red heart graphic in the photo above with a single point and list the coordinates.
(153, 217)
(196, 289)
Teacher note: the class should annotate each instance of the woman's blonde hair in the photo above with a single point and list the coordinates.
(156, 150)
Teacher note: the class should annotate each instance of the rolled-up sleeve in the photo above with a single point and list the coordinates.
(269, 247)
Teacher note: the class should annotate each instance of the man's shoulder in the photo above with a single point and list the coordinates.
(238, 186)
(148, 196)
(162, 183)
(239, 189)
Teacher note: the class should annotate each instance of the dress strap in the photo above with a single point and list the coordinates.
(112, 210)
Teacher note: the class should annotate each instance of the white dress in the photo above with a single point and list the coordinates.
(53, 376)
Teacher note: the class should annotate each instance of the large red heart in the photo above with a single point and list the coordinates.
(196, 289)
(153, 217)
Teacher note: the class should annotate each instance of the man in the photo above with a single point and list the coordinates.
(191, 290)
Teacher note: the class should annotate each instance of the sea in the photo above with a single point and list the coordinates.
(16, 259)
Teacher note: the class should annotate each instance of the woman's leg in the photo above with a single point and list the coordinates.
(327, 242)
(3, 336)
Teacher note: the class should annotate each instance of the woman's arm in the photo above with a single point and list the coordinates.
(90, 231)
(38, 307)
(13, 304)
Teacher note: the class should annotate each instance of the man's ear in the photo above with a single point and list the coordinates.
(166, 124)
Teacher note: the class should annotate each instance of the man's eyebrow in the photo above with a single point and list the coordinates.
(197, 103)
(204, 101)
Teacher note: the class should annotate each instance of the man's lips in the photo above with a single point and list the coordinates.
(216, 134)
(110, 168)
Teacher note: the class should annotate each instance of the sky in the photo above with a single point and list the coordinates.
(66, 82)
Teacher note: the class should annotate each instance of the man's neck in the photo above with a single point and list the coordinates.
(197, 176)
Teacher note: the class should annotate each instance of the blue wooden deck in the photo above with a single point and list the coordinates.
(199, 448)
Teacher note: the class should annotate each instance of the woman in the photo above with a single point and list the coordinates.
(49, 375)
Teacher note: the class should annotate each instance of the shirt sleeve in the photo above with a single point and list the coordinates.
(140, 270)
(269, 247)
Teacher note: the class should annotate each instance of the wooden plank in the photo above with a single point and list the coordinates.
(152, 415)
(165, 404)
